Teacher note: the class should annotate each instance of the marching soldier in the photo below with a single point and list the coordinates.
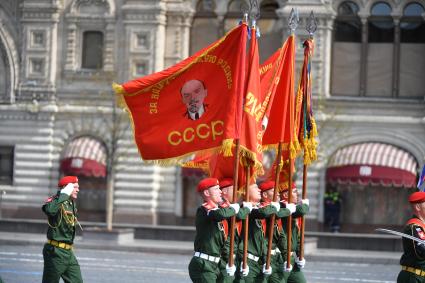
(294, 274)
(277, 244)
(211, 232)
(227, 273)
(59, 258)
(413, 259)
(257, 243)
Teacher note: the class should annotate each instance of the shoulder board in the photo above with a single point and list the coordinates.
(416, 221)
(50, 198)
(209, 206)
(225, 204)
(263, 204)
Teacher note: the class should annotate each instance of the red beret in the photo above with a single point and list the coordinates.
(207, 183)
(66, 180)
(226, 182)
(267, 185)
(417, 197)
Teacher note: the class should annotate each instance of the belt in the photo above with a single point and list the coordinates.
(59, 244)
(413, 270)
(253, 257)
(215, 259)
(275, 251)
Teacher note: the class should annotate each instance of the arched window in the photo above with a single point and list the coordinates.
(4, 78)
(381, 24)
(346, 50)
(92, 50)
(412, 50)
(205, 26)
(412, 25)
(270, 28)
(347, 24)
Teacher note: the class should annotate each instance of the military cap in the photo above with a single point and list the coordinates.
(207, 183)
(265, 186)
(417, 197)
(66, 180)
(226, 182)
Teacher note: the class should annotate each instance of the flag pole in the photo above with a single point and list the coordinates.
(311, 28)
(304, 195)
(292, 23)
(235, 186)
(233, 200)
(273, 216)
(246, 220)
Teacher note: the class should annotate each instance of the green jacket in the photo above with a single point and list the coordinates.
(61, 216)
(243, 212)
(257, 241)
(210, 234)
(301, 210)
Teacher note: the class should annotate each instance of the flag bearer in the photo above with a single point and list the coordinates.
(294, 274)
(227, 272)
(211, 232)
(276, 261)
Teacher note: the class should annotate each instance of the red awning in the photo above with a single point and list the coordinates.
(372, 164)
(85, 156)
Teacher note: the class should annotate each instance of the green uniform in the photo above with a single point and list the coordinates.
(224, 277)
(209, 242)
(296, 275)
(278, 248)
(257, 244)
(59, 258)
(413, 259)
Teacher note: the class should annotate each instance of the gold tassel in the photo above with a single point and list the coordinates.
(293, 152)
(118, 89)
(226, 147)
(314, 127)
(307, 159)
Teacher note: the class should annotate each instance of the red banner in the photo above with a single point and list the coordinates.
(251, 132)
(191, 106)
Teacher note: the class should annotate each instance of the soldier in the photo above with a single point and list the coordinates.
(294, 274)
(211, 229)
(413, 259)
(257, 243)
(285, 210)
(59, 258)
(227, 273)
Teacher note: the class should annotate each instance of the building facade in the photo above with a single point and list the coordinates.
(58, 115)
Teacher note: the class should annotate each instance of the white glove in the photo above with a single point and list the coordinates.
(247, 205)
(276, 205)
(291, 207)
(68, 189)
(235, 207)
(285, 269)
(230, 270)
(305, 201)
(267, 271)
(244, 271)
(300, 263)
